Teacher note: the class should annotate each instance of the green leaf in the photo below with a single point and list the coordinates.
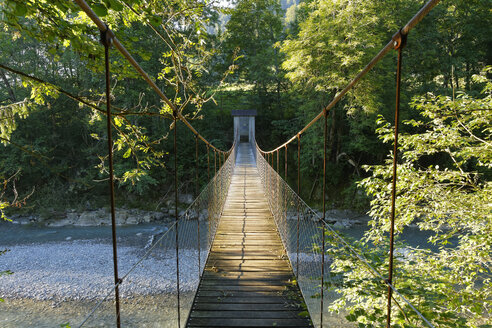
(115, 5)
(20, 9)
(100, 10)
(127, 153)
(146, 56)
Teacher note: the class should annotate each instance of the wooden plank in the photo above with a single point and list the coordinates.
(242, 294)
(294, 314)
(253, 276)
(259, 263)
(269, 257)
(250, 300)
(248, 269)
(242, 284)
(248, 322)
(246, 307)
(243, 252)
(250, 248)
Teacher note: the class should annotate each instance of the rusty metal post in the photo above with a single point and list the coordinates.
(399, 43)
(270, 172)
(278, 170)
(215, 180)
(277, 184)
(298, 193)
(196, 167)
(106, 41)
(197, 214)
(324, 216)
(286, 202)
(285, 170)
(208, 162)
(176, 216)
(208, 175)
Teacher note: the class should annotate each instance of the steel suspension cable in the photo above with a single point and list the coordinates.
(104, 28)
(106, 41)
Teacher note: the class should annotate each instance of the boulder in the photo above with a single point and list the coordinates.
(132, 220)
(338, 225)
(185, 199)
(88, 218)
(146, 218)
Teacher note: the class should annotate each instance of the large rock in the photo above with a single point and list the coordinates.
(185, 199)
(88, 218)
(132, 220)
(204, 213)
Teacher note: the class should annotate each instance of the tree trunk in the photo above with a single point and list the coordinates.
(7, 84)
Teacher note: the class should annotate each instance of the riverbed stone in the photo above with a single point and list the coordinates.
(185, 198)
(131, 220)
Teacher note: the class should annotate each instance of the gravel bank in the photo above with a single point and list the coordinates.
(82, 270)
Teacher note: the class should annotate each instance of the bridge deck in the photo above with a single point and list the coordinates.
(247, 280)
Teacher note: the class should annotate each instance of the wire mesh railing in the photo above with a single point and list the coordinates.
(308, 241)
(174, 256)
(300, 231)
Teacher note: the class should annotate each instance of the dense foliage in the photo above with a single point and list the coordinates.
(59, 144)
(451, 200)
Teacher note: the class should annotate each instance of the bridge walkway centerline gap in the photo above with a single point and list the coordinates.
(248, 279)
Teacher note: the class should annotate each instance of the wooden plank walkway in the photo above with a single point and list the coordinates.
(247, 280)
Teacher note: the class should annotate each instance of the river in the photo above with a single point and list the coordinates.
(50, 263)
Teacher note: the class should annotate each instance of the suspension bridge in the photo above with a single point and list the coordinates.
(258, 248)
(248, 280)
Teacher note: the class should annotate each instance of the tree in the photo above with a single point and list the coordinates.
(251, 33)
(443, 187)
(332, 41)
(57, 43)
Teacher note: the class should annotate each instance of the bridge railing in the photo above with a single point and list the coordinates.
(301, 232)
(173, 259)
(309, 240)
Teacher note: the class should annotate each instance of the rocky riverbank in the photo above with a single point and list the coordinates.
(102, 216)
(340, 219)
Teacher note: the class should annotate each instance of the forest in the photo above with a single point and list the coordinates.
(287, 60)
